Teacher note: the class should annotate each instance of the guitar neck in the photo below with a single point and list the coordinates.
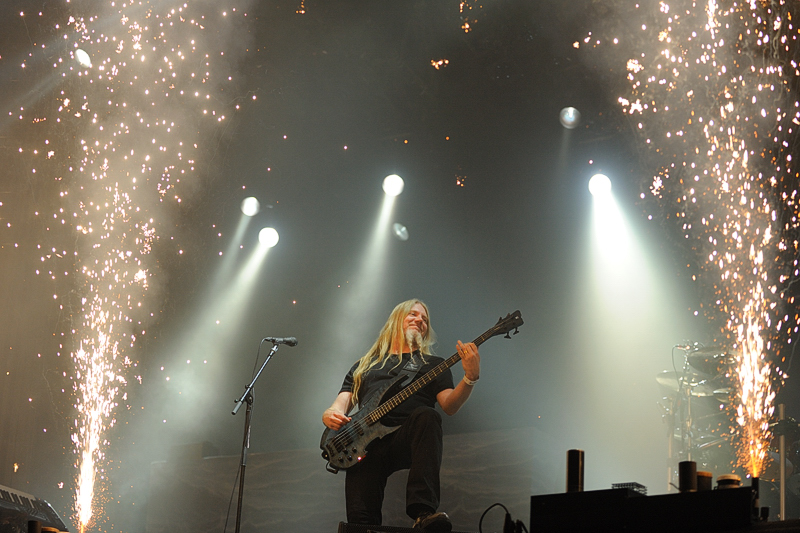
(416, 385)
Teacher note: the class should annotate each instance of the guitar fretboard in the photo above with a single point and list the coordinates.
(387, 406)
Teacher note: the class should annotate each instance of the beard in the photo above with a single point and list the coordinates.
(413, 338)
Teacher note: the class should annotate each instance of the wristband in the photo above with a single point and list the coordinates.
(470, 382)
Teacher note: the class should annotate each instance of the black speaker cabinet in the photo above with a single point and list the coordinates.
(626, 510)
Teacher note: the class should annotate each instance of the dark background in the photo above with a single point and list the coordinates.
(495, 202)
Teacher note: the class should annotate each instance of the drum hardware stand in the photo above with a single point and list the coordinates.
(685, 390)
(669, 415)
(782, 466)
(684, 394)
(688, 422)
(247, 397)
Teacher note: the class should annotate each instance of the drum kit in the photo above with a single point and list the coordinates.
(696, 408)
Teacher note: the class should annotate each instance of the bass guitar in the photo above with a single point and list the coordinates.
(347, 446)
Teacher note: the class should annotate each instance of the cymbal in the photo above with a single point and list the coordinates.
(723, 395)
(712, 419)
(697, 384)
(710, 441)
(710, 359)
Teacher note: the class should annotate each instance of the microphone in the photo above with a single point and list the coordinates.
(288, 341)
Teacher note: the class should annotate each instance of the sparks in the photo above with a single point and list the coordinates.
(713, 95)
(121, 133)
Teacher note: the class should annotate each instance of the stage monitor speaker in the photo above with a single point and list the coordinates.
(358, 528)
(18, 508)
(573, 512)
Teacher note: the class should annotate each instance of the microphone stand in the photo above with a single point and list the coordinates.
(247, 397)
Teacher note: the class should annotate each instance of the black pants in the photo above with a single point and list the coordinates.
(417, 445)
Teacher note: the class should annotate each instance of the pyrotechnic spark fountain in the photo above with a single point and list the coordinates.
(121, 132)
(713, 93)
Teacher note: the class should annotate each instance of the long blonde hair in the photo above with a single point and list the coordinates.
(391, 337)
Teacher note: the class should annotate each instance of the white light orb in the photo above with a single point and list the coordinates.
(250, 206)
(83, 58)
(400, 231)
(569, 117)
(600, 185)
(393, 185)
(268, 237)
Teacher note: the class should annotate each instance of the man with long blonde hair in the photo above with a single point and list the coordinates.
(403, 347)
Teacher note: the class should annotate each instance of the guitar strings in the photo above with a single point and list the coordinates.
(348, 431)
(345, 435)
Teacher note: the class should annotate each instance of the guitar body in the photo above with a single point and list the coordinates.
(347, 446)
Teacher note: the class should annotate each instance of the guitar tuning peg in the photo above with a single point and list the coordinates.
(516, 330)
(507, 336)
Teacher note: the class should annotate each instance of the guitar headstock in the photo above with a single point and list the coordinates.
(512, 321)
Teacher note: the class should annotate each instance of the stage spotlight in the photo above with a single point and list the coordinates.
(268, 237)
(569, 117)
(250, 206)
(83, 58)
(400, 231)
(600, 186)
(393, 185)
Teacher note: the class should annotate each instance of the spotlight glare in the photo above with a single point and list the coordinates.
(600, 186)
(393, 185)
(250, 206)
(83, 58)
(569, 117)
(400, 231)
(268, 237)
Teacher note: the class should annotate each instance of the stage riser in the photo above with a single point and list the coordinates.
(729, 510)
(358, 528)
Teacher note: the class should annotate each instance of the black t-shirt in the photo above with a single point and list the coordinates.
(381, 376)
